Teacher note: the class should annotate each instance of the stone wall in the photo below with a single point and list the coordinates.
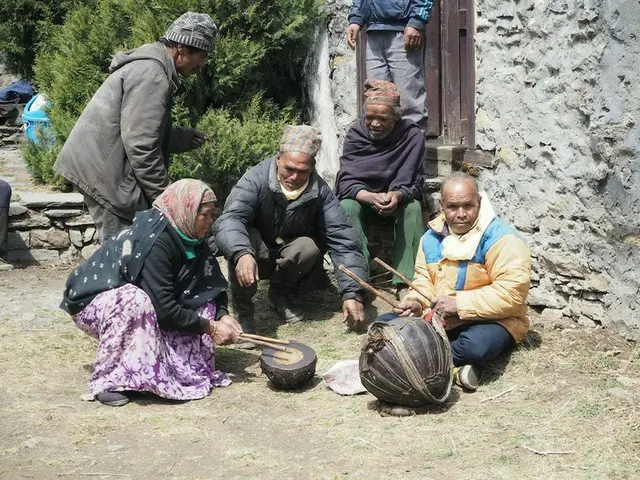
(558, 102)
(50, 227)
(338, 97)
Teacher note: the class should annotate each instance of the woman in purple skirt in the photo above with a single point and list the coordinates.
(154, 297)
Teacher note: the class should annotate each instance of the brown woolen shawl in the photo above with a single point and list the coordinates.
(392, 163)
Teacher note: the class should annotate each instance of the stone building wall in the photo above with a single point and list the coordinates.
(46, 227)
(558, 102)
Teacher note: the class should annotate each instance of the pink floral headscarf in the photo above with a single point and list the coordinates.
(181, 201)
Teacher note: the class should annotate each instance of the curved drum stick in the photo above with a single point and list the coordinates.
(364, 284)
(401, 277)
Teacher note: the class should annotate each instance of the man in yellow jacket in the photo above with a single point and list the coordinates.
(474, 269)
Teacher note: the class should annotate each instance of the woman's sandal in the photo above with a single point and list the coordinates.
(112, 399)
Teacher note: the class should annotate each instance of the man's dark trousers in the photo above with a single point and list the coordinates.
(5, 200)
(284, 267)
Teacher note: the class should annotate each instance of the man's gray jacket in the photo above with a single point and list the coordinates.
(257, 201)
(118, 150)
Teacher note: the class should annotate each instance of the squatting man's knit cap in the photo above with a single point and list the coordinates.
(301, 138)
(196, 30)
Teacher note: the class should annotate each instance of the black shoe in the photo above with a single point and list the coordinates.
(281, 304)
(112, 399)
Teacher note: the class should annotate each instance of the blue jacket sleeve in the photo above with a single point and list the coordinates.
(355, 13)
(420, 13)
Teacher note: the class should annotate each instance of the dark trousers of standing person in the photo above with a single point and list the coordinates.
(473, 344)
(285, 268)
(5, 200)
(107, 223)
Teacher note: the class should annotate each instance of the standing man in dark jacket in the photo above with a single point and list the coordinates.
(395, 47)
(117, 154)
(276, 223)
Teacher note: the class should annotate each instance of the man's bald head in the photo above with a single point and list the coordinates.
(459, 178)
(460, 200)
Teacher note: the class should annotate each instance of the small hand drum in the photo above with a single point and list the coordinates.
(289, 370)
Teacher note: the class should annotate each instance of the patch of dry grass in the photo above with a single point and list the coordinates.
(559, 399)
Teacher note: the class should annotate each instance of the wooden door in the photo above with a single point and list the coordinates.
(458, 72)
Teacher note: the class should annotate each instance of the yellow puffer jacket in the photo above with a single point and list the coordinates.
(492, 286)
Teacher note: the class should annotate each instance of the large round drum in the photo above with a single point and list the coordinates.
(406, 361)
(291, 369)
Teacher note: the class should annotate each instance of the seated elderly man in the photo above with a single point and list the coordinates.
(277, 222)
(380, 173)
(475, 270)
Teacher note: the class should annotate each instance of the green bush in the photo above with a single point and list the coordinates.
(40, 160)
(234, 144)
(247, 91)
(25, 26)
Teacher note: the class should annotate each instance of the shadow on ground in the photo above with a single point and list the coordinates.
(389, 410)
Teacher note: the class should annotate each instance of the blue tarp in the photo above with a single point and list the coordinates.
(19, 92)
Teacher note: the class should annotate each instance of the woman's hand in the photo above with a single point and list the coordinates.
(225, 330)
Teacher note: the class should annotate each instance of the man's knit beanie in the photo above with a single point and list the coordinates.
(196, 30)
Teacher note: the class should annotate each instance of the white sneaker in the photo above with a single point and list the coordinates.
(5, 266)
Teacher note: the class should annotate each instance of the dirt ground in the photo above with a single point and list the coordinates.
(569, 392)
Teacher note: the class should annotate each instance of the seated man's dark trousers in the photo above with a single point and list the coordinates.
(285, 267)
(5, 200)
(475, 344)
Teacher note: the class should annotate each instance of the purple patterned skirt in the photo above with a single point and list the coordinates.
(134, 354)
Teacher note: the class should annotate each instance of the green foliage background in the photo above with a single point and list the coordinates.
(246, 93)
(24, 25)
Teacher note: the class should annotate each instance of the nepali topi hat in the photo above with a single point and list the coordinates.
(381, 92)
(301, 138)
(195, 30)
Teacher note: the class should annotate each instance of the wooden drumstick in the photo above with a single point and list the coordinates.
(401, 277)
(364, 284)
(264, 344)
(265, 339)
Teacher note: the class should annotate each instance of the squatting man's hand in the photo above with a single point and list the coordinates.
(247, 270)
(198, 139)
(408, 308)
(353, 309)
(225, 330)
(445, 305)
